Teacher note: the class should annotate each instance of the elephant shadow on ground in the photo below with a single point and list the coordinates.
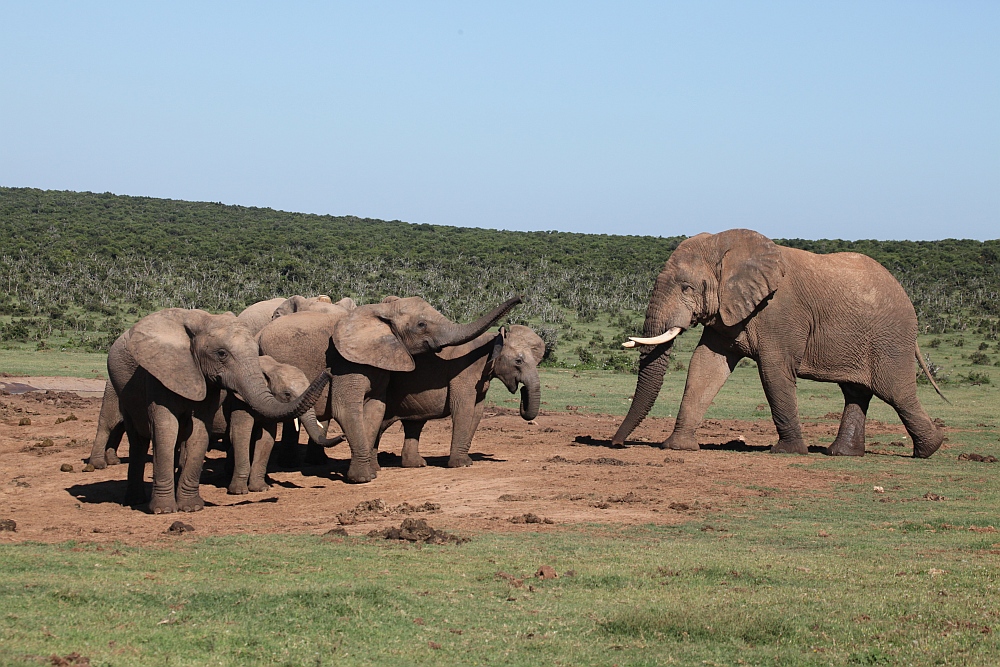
(729, 446)
(110, 491)
(391, 460)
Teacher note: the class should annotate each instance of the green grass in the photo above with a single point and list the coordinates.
(26, 360)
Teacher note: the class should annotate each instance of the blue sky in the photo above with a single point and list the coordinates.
(807, 119)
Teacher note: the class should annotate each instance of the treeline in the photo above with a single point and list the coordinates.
(88, 264)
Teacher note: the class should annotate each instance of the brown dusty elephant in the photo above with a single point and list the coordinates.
(248, 432)
(168, 371)
(454, 383)
(360, 348)
(256, 316)
(234, 420)
(833, 318)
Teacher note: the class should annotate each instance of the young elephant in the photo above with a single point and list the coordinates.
(169, 371)
(247, 431)
(454, 383)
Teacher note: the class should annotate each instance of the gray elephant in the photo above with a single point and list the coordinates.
(248, 432)
(258, 315)
(832, 318)
(454, 382)
(168, 371)
(234, 420)
(361, 348)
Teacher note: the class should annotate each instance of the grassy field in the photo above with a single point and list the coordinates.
(847, 577)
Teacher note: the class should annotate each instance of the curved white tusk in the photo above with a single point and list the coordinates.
(665, 337)
(628, 343)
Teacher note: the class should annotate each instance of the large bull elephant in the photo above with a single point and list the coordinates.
(454, 383)
(168, 372)
(361, 348)
(833, 318)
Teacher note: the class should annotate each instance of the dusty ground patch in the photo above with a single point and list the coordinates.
(561, 467)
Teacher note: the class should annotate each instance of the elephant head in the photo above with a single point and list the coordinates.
(717, 280)
(287, 382)
(387, 335)
(295, 304)
(515, 358)
(186, 350)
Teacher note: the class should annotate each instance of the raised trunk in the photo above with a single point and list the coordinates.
(652, 368)
(463, 333)
(530, 396)
(316, 431)
(254, 390)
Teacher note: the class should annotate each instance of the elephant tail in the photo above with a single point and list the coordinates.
(927, 372)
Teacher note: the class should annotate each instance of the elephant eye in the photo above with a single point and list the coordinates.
(221, 354)
(687, 288)
(421, 325)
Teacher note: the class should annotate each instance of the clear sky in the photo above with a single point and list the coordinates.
(810, 118)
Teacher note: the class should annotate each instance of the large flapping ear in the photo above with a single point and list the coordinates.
(161, 343)
(751, 269)
(366, 338)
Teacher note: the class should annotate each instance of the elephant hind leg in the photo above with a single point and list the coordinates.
(850, 439)
(925, 435)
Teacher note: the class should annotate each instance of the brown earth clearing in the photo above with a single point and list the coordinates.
(531, 476)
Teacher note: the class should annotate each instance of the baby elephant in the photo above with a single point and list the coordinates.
(454, 382)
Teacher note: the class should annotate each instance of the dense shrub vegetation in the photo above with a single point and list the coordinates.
(82, 266)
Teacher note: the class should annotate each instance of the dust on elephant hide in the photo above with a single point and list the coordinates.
(454, 383)
(168, 372)
(256, 316)
(360, 348)
(838, 318)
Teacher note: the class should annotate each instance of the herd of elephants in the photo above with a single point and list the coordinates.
(180, 377)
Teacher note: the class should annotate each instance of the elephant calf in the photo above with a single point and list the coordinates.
(454, 383)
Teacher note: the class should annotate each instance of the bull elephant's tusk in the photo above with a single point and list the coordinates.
(665, 337)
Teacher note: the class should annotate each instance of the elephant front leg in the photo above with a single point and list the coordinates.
(850, 440)
(351, 418)
(261, 453)
(240, 434)
(411, 444)
(464, 422)
(164, 432)
(779, 388)
(188, 497)
(711, 365)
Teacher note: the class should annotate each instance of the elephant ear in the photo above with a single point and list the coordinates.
(365, 338)
(292, 304)
(751, 270)
(161, 343)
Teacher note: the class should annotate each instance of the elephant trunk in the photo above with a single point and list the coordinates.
(316, 431)
(254, 390)
(463, 333)
(652, 368)
(530, 396)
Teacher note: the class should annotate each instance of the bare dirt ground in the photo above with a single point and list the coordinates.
(531, 476)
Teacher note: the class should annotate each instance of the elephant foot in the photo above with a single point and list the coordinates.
(460, 461)
(99, 464)
(922, 448)
(258, 486)
(846, 447)
(683, 442)
(360, 473)
(237, 488)
(111, 458)
(784, 446)
(162, 505)
(191, 504)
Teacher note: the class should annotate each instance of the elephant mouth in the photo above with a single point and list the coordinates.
(664, 337)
